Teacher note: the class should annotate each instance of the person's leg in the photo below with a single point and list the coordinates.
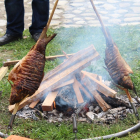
(40, 16)
(15, 21)
(15, 16)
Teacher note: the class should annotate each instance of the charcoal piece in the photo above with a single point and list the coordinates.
(68, 95)
(39, 107)
(114, 102)
(62, 105)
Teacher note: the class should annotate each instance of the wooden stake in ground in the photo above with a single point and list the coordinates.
(3, 71)
(14, 113)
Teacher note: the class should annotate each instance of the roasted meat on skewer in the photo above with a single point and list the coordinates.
(28, 73)
(118, 69)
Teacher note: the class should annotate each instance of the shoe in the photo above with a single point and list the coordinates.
(7, 38)
(36, 36)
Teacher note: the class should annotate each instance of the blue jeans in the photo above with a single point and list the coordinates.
(15, 16)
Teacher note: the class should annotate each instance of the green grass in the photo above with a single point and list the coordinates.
(72, 40)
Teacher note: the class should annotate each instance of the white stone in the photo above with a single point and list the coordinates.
(136, 9)
(55, 22)
(1, 30)
(56, 16)
(77, 19)
(93, 22)
(105, 18)
(112, 1)
(91, 115)
(122, 5)
(77, 4)
(62, 3)
(81, 8)
(121, 11)
(68, 15)
(88, 14)
(133, 19)
(77, 11)
(67, 21)
(136, 4)
(89, 18)
(81, 22)
(132, 15)
(114, 21)
(109, 7)
(3, 22)
(103, 12)
(98, 2)
(28, 14)
(102, 114)
(57, 11)
(115, 15)
(80, 0)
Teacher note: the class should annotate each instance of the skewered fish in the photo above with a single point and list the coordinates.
(28, 73)
(118, 69)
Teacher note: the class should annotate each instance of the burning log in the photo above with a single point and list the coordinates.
(77, 91)
(79, 61)
(96, 95)
(117, 67)
(3, 71)
(47, 105)
(33, 104)
(82, 54)
(99, 85)
(65, 83)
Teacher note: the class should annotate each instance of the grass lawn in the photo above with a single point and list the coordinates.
(72, 40)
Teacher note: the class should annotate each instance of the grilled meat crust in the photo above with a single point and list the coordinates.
(117, 67)
(28, 73)
(29, 76)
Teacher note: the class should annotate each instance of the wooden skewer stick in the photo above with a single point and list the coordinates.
(49, 21)
(14, 113)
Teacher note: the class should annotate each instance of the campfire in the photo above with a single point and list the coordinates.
(68, 90)
(69, 93)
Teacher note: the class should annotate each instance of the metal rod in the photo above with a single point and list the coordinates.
(75, 130)
(119, 134)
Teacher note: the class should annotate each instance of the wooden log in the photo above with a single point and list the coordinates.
(96, 76)
(33, 104)
(84, 90)
(115, 102)
(71, 81)
(48, 85)
(10, 63)
(3, 71)
(100, 86)
(82, 54)
(47, 105)
(77, 91)
(96, 95)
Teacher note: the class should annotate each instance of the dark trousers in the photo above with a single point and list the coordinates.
(15, 16)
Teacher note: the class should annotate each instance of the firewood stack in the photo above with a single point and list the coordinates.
(66, 74)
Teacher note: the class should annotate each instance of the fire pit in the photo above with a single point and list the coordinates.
(69, 94)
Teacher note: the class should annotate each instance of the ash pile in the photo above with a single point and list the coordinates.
(66, 104)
